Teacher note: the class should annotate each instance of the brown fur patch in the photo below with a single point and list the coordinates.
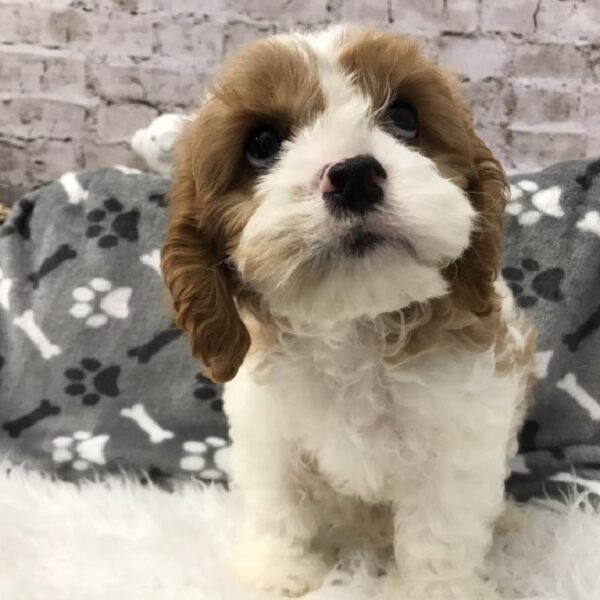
(211, 198)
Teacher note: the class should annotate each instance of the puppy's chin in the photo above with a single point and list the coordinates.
(370, 279)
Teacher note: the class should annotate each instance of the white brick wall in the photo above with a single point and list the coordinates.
(77, 77)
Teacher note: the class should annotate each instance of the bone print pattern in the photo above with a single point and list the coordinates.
(146, 423)
(553, 235)
(63, 253)
(89, 301)
(570, 385)
(80, 272)
(73, 188)
(27, 323)
(18, 425)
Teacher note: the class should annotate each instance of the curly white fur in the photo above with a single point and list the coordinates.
(430, 440)
(329, 439)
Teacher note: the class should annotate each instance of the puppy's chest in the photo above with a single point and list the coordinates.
(370, 426)
(357, 418)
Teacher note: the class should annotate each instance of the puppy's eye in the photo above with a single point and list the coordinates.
(263, 146)
(403, 120)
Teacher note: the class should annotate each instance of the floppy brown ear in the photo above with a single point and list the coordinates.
(473, 275)
(200, 286)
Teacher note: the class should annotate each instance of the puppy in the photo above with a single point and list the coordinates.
(333, 253)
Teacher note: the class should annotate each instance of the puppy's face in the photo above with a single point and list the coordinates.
(328, 177)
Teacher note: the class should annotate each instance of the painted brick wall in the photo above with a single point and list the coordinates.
(78, 77)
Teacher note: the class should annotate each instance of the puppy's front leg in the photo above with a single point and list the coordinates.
(279, 524)
(444, 518)
(279, 518)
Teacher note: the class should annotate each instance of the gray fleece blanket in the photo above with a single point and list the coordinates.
(94, 379)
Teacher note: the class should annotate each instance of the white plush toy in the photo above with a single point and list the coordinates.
(155, 143)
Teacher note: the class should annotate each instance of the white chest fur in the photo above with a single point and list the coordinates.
(372, 428)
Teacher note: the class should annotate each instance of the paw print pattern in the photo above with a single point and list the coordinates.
(207, 391)
(544, 284)
(104, 381)
(82, 449)
(544, 202)
(98, 301)
(199, 454)
(124, 225)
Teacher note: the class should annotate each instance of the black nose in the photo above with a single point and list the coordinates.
(356, 184)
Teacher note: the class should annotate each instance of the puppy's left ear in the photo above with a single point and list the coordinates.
(475, 272)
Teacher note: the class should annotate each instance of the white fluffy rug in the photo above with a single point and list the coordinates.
(122, 541)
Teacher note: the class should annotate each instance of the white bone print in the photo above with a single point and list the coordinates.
(5, 285)
(127, 170)
(146, 423)
(542, 361)
(75, 192)
(152, 260)
(569, 384)
(27, 323)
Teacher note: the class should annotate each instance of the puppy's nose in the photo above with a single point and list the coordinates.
(353, 184)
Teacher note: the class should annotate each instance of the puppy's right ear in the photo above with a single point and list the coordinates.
(199, 282)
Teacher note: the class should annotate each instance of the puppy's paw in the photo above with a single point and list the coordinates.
(282, 570)
(511, 520)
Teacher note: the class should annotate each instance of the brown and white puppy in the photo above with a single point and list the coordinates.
(333, 250)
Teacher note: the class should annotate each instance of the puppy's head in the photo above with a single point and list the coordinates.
(328, 177)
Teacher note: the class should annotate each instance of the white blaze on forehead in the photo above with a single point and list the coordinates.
(337, 86)
(327, 42)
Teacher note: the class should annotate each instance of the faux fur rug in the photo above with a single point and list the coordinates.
(127, 541)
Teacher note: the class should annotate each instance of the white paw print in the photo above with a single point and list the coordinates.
(545, 202)
(82, 448)
(197, 453)
(113, 303)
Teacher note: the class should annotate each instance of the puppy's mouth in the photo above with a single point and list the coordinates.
(360, 241)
